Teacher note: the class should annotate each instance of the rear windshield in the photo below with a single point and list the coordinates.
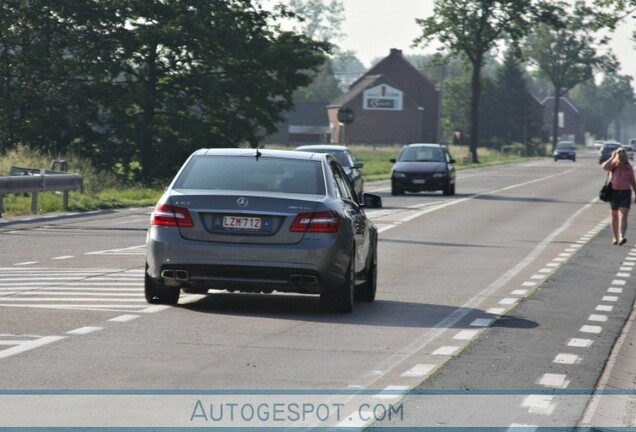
(235, 173)
(421, 154)
(565, 146)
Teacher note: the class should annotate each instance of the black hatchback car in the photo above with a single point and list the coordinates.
(423, 167)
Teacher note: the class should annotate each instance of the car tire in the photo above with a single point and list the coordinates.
(366, 292)
(396, 191)
(447, 190)
(157, 292)
(340, 300)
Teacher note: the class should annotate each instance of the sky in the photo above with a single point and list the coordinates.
(373, 27)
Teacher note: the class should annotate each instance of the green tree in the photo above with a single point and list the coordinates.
(616, 94)
(144, 83)
(566, 55)
(472, 28)
(44, 99)
(515, 116)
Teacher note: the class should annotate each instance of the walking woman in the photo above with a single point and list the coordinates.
(622, 177)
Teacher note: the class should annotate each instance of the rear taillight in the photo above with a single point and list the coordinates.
(321, 222)
(167, 215)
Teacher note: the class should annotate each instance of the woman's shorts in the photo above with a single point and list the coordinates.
(621, 199)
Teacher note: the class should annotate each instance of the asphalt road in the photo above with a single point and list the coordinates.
(497, 296)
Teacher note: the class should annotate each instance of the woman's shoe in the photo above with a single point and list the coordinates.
(623, 241)
(614, 242)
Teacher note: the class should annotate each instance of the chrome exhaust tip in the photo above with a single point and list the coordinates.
(168, 274)
(182, 275)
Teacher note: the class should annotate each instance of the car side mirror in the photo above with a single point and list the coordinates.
(452, 161)
(358, 165)
(371, 200)
(392, 160)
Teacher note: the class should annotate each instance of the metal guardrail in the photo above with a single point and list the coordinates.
(30, 180)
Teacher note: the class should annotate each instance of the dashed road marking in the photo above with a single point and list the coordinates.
(84, 330)
(419, 370)
(580, 343)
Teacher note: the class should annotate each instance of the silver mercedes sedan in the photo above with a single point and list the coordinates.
(254, 221)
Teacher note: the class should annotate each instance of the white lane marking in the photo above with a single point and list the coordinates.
(615, 290)
(580, 343)
(618, 282)
(496, 311)
(598, 318)
(154, 309)
(520, 292)
(84, 292)
(529, 284)
(63, 257)
(567, 359)
(70, 299)
(392, 392)
(539, 404)
(559, 381)
(30, 345)
(84, 330)
(508, 301)
(604, 308)
(610, 298)
(625, 275)
(419, 370)
(466, 335)
(124, 318)
(26, 263)
(514, 427)
(482, 322)
(133, 250)
(96, 307)
(591, 329)
(446, 350)
(59, 288)
(13, 342)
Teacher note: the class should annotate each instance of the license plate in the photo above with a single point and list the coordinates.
(419, 181)
(242, 222)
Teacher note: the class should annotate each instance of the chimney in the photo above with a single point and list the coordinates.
(396, 52)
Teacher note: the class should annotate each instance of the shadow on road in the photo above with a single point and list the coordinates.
(383, 313)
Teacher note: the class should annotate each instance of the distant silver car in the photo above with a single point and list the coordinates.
(261, 221)
(352, 167)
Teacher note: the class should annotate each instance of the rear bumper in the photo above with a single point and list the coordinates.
(565, 156)
(428, 185)
(302, 268)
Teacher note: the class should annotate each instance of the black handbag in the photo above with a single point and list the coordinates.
(606, 191)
